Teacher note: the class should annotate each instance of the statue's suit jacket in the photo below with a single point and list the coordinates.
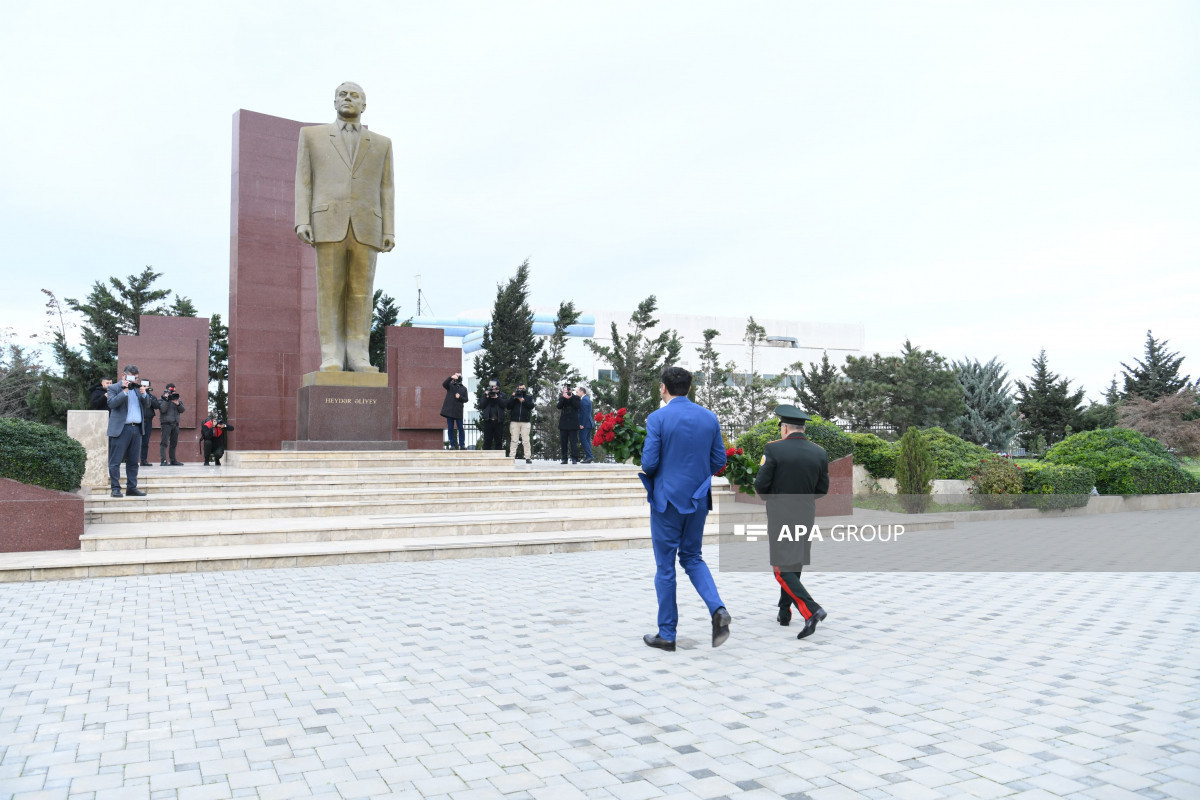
(331, 194)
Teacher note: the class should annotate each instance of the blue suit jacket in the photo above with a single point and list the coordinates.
(683, 450)
(585, 413)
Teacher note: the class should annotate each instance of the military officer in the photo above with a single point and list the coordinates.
(793, 473)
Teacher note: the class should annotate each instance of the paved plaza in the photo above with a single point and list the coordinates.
(527, 678)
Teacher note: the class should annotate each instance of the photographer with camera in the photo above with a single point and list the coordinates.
(128, 420)
(213, 438)
(520, 412)
(568, 423)
(168, 420)
(148, 428)
(452, 409)
(491, 414)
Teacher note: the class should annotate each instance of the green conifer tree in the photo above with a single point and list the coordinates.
(1158, 375)
(991, 414)
(1047, 405)
(510, 350)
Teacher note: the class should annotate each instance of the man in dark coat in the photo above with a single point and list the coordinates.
(793, 473)
(452, 409)
(491, 415)
(568, 423)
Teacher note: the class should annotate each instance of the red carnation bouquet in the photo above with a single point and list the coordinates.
(739, 470)
(619, 438)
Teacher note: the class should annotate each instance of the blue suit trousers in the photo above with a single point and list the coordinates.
(675, 533)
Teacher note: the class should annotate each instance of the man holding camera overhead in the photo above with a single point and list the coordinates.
(128, 418)
(170, 408)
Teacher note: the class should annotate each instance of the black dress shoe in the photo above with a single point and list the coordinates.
(810, 624)
(785, 616)
(176, 463)
(117, 493)
(135, 492)
(654, 640)
(529, 461)
(162, 463)
(145, 464)
(720, 621)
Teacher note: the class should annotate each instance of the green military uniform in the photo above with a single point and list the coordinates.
(794, 472)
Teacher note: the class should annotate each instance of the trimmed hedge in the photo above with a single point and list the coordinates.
(956, 458)
(41, 455)
(877, 455)
(1058, 485)
(837, 443)
(1125, 462)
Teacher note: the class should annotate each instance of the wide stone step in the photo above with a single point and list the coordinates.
(71, 564)
(382, 480)
(235, 497)
(360, 459)
(273, 530)
(318, 505)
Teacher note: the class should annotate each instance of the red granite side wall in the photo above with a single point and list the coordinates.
(272, 285)
(38, 519)
(418, 361)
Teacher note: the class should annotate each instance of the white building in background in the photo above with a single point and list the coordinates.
(788, 341)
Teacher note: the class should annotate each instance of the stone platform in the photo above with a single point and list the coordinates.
(280, 508)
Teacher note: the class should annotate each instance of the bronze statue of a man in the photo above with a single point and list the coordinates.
(345, 207)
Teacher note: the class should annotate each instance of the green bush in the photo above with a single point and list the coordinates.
(956, 458)
(877, 455)
(1057, 485)
(41, 455)
(837, 443)
(1124, 462)
(998, 479)
(915, 471)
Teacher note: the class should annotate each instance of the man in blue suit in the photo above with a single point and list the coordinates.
(587, 425)
(683, 450)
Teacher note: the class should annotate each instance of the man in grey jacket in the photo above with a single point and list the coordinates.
(128, 417)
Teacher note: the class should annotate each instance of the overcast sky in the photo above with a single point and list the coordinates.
(985, 178)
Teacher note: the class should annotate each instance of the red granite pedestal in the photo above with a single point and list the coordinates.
(332, 415)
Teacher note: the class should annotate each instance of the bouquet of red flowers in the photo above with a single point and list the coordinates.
(739, 469)
(619, 438)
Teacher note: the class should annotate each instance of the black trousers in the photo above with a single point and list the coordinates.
(170, 438)
(145, 451)
(572, 436)
(214, 448)
(493, 434)
(792, 591)
(125, 447)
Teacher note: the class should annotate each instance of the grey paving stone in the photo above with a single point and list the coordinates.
(394, 680)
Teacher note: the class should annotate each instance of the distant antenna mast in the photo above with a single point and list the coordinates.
(420, 299)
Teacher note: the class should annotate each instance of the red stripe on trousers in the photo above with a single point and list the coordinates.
(804, 612)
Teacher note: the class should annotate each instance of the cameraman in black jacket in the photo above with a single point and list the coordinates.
(520, 412)
(568, 423)
(170, 408)
(491, 414)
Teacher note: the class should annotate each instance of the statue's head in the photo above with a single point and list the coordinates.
(349, 100)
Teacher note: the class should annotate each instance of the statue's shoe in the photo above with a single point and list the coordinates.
(359, 366)
(331, 365)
